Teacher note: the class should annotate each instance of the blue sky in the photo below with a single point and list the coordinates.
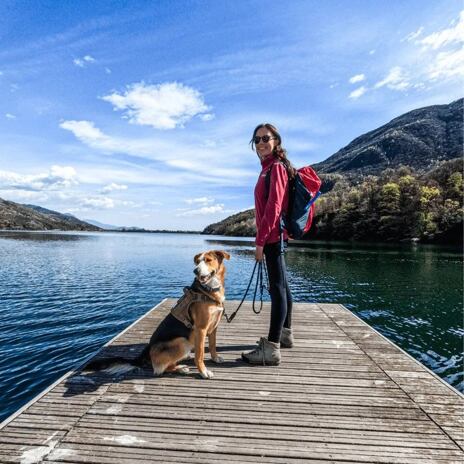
(139, 113)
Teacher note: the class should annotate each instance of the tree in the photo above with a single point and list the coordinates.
(429, 203)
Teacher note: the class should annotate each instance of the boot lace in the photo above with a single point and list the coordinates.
(259, 350)
(261, 347)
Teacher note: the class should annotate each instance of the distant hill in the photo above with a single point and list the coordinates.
(16, 216)
(237, 225)
(420, 139)
(101, 224)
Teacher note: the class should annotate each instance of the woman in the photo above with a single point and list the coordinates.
(271, 201)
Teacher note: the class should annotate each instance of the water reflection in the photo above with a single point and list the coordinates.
(45, 236)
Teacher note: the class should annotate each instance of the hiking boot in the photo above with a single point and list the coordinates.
(267, 353)
(286, 338)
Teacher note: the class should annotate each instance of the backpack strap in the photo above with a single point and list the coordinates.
(267, 186)
(267, 183)
(267, 180)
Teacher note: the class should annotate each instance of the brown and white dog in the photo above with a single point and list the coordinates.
(195, 317)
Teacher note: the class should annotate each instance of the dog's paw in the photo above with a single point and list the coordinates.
(217, 359)
(206, 374)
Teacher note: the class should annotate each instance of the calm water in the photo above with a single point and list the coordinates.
(63, 295)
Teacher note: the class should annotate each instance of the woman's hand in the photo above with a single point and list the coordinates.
(259, 253)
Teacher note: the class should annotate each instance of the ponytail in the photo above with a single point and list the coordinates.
(281, 154)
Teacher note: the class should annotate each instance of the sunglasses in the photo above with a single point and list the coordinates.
(264, 138)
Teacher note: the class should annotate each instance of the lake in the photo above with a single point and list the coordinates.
(64, 294)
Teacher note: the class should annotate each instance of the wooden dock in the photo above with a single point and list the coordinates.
(343, 394)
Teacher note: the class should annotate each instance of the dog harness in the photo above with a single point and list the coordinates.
(192, 294)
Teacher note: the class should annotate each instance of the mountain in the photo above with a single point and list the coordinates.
(236, 225)
(16, 216)
(420, 139)
(102, 225)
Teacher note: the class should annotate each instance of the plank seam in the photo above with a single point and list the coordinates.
(391, 378)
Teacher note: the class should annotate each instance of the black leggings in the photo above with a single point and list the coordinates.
(281, 298)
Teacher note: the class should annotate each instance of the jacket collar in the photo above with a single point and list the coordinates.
(268, 161)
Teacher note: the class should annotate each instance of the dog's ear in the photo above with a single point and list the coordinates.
(196, 258)
(221, 254)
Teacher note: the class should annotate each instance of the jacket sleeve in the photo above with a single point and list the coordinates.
(277, 191)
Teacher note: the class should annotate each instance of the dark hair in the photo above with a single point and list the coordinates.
(278, 152)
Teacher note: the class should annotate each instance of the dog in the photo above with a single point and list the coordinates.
(195, 316)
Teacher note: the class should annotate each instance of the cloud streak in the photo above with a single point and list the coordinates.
(439, 59)
(112, 187)
(355, 94)
(357, 78)
(203, 211)
(448, 36)
(82, 62)
(207, 162)
(395, 80)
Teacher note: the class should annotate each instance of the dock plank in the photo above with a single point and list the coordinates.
(343, 394)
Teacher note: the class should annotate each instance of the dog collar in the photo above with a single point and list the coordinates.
(203, 290)
(207, 288)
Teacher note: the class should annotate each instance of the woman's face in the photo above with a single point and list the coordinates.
(264, 149)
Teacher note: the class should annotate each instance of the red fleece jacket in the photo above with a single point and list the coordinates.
(268, 211)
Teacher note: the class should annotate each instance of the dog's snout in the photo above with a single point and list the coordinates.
(196, 271)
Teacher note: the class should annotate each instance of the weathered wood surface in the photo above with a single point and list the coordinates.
(343, 394)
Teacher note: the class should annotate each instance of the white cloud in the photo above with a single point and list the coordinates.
(357, 78)
(205, 210)
(10, 116)
(357, 93)
(164, 106)
(413, 35)
(439, 59)
(206, 163)
(372, 52)
(207, 117)
(81, 62)
(131, 204)
(448, 64)
(108, 70)
(57, 178)
(23, 196)
(91, 135)
(445, 57)
(395, 80)
(202, 200)
(452, 35)
(111, 187)
(98, 203)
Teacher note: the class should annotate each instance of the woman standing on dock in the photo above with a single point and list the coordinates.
(271, 199)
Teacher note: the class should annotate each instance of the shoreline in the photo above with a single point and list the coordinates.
(249, 241)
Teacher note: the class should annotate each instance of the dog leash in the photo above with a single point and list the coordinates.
(260, 265)
(259, 282)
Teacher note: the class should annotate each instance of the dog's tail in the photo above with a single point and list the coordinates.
(117, 365)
